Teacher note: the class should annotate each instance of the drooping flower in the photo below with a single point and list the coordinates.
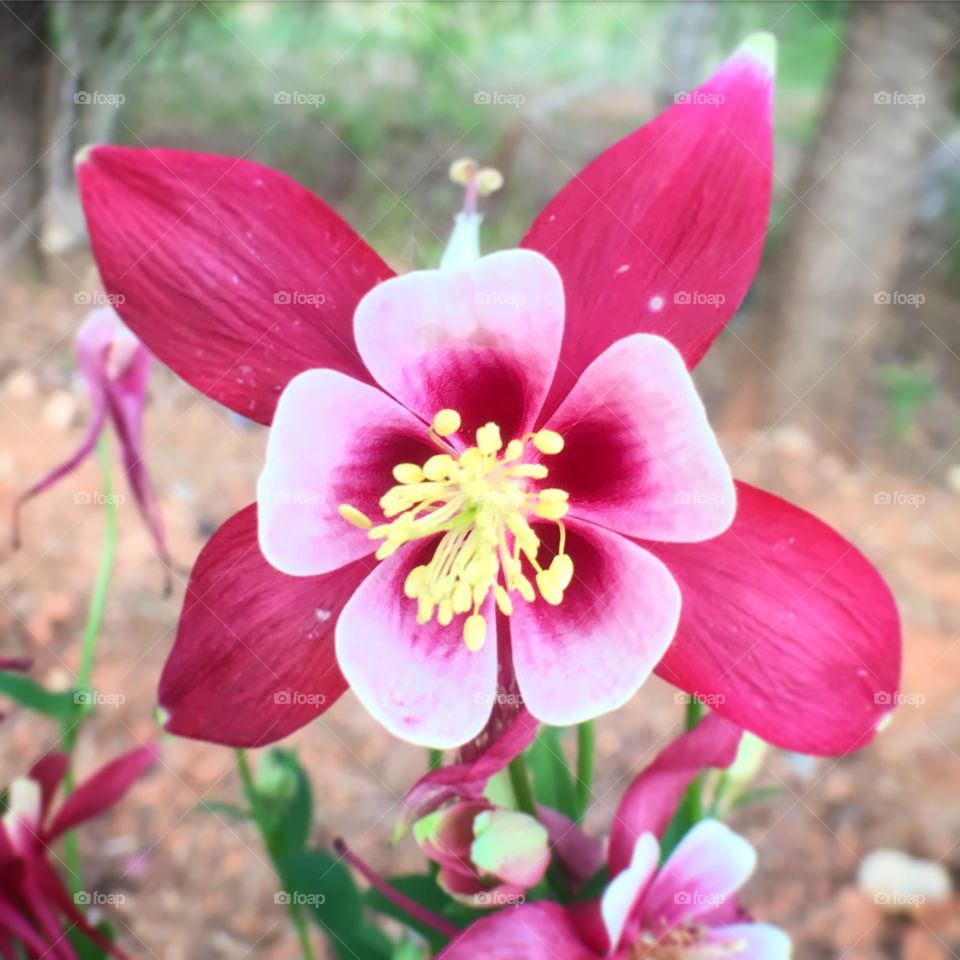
(36, 909)
(684, 909)
(116, 367)
(249, 287)
(488, 856)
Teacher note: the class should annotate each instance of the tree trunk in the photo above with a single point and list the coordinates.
(24, 35)
(827, 302)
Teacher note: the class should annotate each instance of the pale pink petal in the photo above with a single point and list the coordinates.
(625, 890)
(710, 863)
(334, 441)
(482, 339)
(639, 455)
(755, 941)
(420, 682)
(591, 653)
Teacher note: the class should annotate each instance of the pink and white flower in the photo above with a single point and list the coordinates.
(581, 337)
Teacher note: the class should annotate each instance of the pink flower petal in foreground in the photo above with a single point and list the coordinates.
(482, 340)
(786, 627)
(254, 658)
(116, 367)
(233, 274)
(639, 455)
(663, 232)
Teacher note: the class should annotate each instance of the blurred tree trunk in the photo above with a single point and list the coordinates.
(24, 35)
(806, 355)
(689, 39)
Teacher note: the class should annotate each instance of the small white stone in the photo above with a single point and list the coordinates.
(898, 882)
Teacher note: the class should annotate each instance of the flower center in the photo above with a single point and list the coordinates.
(480, 504)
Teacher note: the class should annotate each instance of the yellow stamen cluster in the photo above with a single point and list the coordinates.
(480, 502)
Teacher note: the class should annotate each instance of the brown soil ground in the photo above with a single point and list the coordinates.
(198, 886)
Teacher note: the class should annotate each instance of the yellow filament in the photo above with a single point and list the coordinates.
(478, 505)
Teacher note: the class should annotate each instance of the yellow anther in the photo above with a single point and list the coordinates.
(549, 589)
(488, 439)
(550, 495)
(536, 471)
(475, 632)
(354, 516)
(446, 423)
(489, 180)
(548, 441)
(561, 570)
(414, 581)
(409, 473)
(552, 510)
(439, 467)
(504, 603)
(463, 171)
(462, 598)
(525, 588)
(445, 613)
(513, 452)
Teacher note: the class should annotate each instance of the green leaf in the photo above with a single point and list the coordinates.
(286, 802)
(407, 949)
(59, 705)
(87, 949)
(553, 783)
(319, 882)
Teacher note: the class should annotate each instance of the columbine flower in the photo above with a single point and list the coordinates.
(488, 856)
(116, 367)
(685, 909)
(241, 280)
(35, 907)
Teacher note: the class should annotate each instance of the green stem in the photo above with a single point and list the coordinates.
(521, 786)
(436, 759)
(692, 803)
(694, 713)
(91, 636)
(256, 809)
(586, 744)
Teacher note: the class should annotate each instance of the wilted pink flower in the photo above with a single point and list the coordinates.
(251, 288)
(116, 367)
(36, 908)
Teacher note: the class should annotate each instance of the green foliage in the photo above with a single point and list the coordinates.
(61, 706)
(909, 389)
(553, 782)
